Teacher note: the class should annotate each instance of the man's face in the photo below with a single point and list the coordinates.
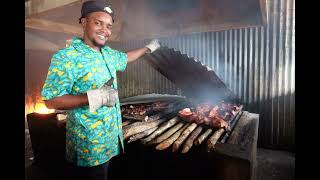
(97, 28)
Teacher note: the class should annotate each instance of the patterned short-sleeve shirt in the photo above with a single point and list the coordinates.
(91, 138)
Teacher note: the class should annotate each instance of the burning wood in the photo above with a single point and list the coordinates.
(161, 129)
(166, 143)
(183, 137)
(214, 138)
(167, 134)
(202, 137)
(142, 134)
(188, 144)
(140, 127)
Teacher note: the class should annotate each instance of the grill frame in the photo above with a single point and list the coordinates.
(138, 100)
(198, 83)
(235, 158)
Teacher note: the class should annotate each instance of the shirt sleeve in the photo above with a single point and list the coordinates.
(59, 79)
(122, 60)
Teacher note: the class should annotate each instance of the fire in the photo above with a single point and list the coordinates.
(42, 109)
(39, 107)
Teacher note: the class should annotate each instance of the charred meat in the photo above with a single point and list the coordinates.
(216, 116)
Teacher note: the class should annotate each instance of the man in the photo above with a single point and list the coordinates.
(82, 79)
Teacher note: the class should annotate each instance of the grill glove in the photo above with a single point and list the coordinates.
(105, 95)
(153, 45)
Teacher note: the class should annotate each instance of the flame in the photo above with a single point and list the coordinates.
(42, 109)
(39, 107)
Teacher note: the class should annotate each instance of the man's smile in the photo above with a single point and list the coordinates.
(101, 37)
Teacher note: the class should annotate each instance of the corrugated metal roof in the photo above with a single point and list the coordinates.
(196, 80)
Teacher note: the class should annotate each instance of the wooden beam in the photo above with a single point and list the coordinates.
(45, 25)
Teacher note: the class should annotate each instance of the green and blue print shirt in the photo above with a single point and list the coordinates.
(91, 138)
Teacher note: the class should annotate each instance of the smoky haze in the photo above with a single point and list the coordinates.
(145, 19)
(149, 19)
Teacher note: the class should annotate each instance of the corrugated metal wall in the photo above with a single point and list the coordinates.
(257, 63)
(139, 78)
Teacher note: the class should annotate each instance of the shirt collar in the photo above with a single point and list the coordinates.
(81, 46)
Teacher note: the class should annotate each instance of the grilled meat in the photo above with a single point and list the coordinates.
(216, 116)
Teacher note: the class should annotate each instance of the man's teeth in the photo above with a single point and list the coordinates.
(101, 37)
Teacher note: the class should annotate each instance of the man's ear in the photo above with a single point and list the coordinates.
(83, 22)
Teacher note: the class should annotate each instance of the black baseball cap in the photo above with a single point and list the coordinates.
(96, 6)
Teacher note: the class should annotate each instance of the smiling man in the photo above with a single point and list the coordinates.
(82, 79)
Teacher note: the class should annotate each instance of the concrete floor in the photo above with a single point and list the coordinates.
(275, 165)
(271, 165)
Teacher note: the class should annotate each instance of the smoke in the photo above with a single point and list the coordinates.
(153, 18)
(168, 6)
(145, 19)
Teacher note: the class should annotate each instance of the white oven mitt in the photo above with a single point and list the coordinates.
(105, 95)
(153, 45)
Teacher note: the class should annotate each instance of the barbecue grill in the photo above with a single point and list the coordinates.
(233, 155)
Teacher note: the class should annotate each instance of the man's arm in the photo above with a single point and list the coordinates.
(149, 48)
(67, 102)
(135, 54)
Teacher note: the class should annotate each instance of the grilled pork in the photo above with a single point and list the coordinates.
(216, 116)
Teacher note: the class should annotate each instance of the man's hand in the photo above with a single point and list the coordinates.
(153, 45)
(105, 95)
